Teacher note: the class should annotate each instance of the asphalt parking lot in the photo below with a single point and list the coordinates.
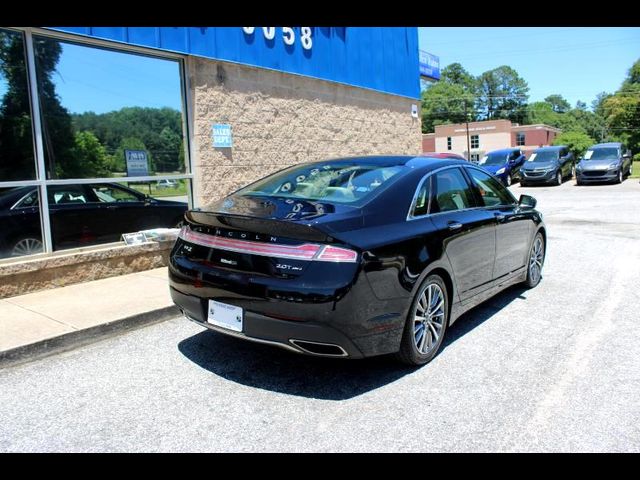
(556, 368)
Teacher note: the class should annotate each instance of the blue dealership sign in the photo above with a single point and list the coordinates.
(429, 65)
(378, 58)
(221, 134)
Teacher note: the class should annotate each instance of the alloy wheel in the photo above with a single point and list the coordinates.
(536, 259)
(559, 178)
(509, 180)
(26, 246)
(428, 318)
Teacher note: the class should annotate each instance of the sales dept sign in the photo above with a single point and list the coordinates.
(222, 135)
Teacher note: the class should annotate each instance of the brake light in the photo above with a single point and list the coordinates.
(307, 251)
(337, 254)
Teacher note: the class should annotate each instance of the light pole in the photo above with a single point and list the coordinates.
(466, 117)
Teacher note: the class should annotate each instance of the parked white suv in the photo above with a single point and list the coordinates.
(167, 184)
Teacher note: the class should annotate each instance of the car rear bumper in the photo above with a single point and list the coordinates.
(305, 338)
(331, 329)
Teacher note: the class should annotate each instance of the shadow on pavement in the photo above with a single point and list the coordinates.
(277, 370)
(478, 315)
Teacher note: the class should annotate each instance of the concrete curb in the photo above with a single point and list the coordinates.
(72, 340)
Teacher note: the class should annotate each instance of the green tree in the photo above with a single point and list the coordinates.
(622, 110)
(558, 103)
(577, 142)
(444, 103)
(16, 141)
(592, 124)
(502, 94)
(88, 157)
(455, 74)
(580, 105)
(57, 129)
(596, 105)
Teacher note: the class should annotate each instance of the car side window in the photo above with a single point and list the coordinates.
(66, 194)
(29, 200)
(422, 200)
(111, 193)
(489, 189)
(451, 191)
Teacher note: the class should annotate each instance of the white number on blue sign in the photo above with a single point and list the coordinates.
(288, 35)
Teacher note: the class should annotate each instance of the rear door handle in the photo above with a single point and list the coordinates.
(454, 225)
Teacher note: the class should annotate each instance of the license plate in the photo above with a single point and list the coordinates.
(225, 315)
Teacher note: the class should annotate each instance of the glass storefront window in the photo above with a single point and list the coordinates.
(17, 161)
(99, 104)
(113, 157)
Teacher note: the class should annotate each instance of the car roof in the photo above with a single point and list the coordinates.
(602, 145)
(504, 150)
(442, 155)
(550, 147)
(411, 161)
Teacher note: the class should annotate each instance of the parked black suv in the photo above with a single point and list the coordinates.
(548, 165)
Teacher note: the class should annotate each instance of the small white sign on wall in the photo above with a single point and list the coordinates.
(221, 135)
(414, 110)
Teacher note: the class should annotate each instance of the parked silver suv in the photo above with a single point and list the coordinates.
(604, 162)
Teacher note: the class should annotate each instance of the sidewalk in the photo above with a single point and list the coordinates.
(51, 321)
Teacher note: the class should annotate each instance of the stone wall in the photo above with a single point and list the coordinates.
(280, 119)
(31, 275)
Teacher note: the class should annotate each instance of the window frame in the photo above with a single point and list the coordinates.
(41, 182)
(429, 176)
(524, 139)
(477, 141)
(449, 143)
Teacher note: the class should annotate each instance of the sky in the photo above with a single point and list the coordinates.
(103, 80)
(575, 62)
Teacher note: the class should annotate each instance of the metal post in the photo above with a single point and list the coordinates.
(466, 117)
(37, 126)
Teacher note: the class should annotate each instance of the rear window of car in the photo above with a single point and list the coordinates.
(331, 182)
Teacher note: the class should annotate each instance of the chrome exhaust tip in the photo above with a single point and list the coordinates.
(320, 349)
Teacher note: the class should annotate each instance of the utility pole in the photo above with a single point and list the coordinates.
(466, 117)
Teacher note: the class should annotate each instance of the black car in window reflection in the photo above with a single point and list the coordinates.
(355, 257)
(81, 215)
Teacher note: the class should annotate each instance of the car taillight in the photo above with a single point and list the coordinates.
(307, 251)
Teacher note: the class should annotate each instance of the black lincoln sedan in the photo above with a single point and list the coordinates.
(81, 215)
(355, 257)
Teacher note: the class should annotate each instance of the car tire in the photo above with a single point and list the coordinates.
(558, 178)
(535, 261)
(630, 172)
(26, 246)
(573, 171)
(620, 176)
(508, 181)
(419, 348)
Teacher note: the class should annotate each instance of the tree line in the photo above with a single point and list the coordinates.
(501, 93)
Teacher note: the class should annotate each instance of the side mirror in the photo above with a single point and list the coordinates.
(527, 201)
